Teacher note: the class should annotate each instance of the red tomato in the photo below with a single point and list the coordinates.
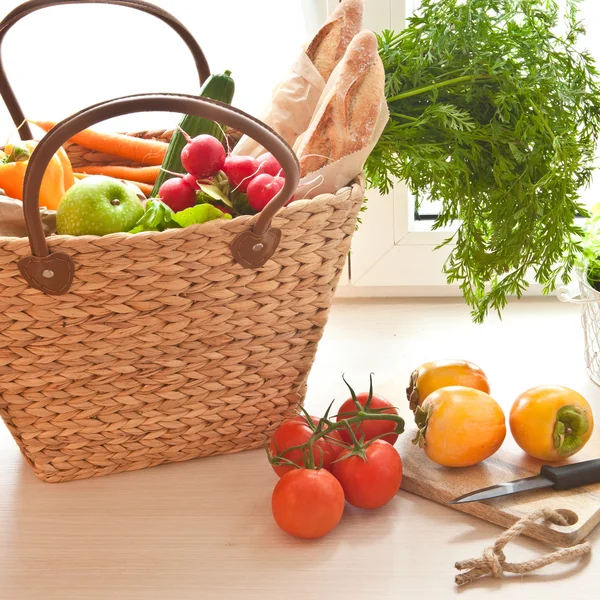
(373, 482)
(297, 432)
(369, 429)
(324, 450)
(308, 503)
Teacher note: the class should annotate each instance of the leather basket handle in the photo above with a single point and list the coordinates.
(27, 8)
(53, 273)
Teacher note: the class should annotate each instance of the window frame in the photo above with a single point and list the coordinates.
(393, 254)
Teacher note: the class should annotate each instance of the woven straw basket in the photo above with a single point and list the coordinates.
(127, 351)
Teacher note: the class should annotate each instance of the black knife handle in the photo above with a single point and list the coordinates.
(574, 475)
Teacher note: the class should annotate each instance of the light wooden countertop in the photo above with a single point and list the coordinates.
(203, 530)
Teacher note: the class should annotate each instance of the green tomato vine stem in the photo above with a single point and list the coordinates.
(327, 427)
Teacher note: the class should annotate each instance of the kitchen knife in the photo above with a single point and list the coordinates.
(559, 478)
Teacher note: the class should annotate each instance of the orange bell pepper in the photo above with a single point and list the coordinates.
(58, 177)
(69, 178)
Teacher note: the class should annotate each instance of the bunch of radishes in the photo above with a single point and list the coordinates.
(204, 158)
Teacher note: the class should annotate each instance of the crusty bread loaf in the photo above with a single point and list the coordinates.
(348, 114)
(330, 43)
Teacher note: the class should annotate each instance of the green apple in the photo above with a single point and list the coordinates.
(98, 205)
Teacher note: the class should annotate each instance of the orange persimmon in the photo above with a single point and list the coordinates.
(459, 426)
(551, 422)
(434, 375)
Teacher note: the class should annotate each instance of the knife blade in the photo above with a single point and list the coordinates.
(559, 478)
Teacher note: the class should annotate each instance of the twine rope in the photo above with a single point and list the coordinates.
(493, 561)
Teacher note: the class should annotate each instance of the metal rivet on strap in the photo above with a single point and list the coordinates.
(258, 247)
(48, 274)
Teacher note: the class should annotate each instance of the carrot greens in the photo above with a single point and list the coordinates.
(495, 114)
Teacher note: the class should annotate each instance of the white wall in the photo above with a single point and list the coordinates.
(93, 53)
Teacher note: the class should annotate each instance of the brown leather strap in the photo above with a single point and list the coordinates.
(27, 8)
(251, 248)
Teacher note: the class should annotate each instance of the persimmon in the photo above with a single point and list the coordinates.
(432, 376)
(551, 422)
(459, 426)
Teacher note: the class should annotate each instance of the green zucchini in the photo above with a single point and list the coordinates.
(216, 87)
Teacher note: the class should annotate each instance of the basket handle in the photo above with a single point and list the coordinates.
(27, 8)
(53, 273)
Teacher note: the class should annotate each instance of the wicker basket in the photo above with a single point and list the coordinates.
(162, 347)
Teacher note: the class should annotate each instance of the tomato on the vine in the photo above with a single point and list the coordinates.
(369, 429)
(372, 480)
(297, 432)
(308, 503)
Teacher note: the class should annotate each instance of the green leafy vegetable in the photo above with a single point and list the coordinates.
(241, 204)
(495, 113)
(201, 213)
(590, 258)
(216, 189)
(157, 217)
(214, 193)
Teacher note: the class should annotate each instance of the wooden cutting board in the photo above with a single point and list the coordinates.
(581, 506)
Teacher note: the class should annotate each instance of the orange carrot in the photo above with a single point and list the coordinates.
(147, 152)
(145, 188)
(143, 174)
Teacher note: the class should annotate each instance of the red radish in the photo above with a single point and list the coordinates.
(240, 170)
(203, 156)
(262, 190)
(192, 180)
(177, 194)
(270, 165)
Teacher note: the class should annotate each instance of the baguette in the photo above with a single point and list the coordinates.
(346, 119)
(330, 43)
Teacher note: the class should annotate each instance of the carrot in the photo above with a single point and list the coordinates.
(145, 188)
(142, 174)
(147, 152)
